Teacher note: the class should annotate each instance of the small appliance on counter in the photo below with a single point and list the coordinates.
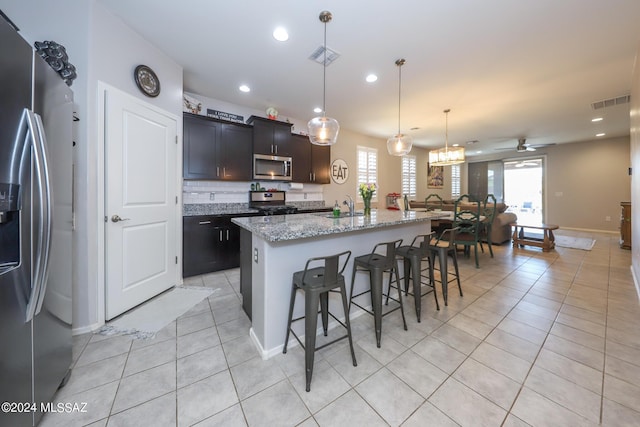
(270, 203)
(392, 201)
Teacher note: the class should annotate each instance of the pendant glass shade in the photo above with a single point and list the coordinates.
(323, 130)
(399, 144)
(446, 156)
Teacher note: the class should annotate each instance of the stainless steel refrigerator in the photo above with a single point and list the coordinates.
(36, 214)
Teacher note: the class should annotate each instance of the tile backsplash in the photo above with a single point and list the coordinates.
(197, 192)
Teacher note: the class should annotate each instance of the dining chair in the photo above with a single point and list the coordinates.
(466, 218)
(435, 200)
(489, 211)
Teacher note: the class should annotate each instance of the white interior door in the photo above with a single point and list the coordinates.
(140, 202)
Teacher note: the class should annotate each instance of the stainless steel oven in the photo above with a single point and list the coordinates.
(276, 168)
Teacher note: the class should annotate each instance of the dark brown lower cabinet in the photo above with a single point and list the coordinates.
(209, 243)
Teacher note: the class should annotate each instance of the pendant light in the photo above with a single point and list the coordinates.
(399, 144)
(324, 130)
(446, 156)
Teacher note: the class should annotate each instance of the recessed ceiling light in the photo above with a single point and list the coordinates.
(281, 34)
(317, 110)
(371, 78)
(244, 88)
(479, 152)
(597, 119)
(600, 134)
(455, 145)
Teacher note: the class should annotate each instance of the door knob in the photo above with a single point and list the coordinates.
(116, 218)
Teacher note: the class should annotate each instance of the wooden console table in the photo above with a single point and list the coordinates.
(625, 225)
(547, 242)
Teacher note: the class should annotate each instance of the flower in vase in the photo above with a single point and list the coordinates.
(367, 190)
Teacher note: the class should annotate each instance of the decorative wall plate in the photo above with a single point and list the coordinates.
(339, 171)
(147, 81)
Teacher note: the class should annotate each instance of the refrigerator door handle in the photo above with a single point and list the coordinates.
(37, 276)
(47, 211)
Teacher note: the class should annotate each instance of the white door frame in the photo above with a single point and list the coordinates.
(100, 184)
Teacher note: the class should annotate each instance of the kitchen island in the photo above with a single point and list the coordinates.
(274, 247)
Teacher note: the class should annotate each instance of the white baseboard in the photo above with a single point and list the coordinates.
(589, 230)
(86, 329)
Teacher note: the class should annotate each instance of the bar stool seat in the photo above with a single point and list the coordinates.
(317, 282)
(412, 257)
(444, 247)
(377, 264)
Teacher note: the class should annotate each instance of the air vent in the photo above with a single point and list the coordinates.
(318, 55)
(624, 99)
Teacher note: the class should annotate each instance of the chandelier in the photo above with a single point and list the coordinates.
(446, 156)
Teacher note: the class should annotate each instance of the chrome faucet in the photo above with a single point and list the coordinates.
(350, 204)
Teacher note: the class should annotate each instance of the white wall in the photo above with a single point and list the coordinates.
(115, 51)
(635, 164)
(102, 48)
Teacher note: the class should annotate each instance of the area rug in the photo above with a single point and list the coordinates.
(584, 243)
(144, 321)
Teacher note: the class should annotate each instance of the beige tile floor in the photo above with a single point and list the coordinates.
(541, 339)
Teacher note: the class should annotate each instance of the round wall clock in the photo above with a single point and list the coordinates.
(147, 81)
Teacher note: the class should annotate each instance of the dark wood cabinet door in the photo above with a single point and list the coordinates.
(200, 156)
(271, 137)
(321, 164)
(235, 153)
(202, 247)
(262, 137)
(282, 140)
(301, 158)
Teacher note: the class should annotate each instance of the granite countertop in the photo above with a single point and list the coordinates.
(303, 226)
(216, 209)
(198, 209)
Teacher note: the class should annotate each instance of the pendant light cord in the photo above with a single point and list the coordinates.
(399, 92)
(324, 74)
(446, 130)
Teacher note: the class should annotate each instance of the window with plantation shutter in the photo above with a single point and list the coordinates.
(455, 181)
(409, 176)
(367, 169)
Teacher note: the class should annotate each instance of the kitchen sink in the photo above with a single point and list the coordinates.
(344, 215)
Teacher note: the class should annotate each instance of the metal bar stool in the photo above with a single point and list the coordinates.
(377, 264)
(317, 282)
(444, 247)
(412, 257)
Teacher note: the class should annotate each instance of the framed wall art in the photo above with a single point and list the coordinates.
(435, 179)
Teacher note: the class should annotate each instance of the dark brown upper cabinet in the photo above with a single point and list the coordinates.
(310, 163)
(216, 150)
(271, 137)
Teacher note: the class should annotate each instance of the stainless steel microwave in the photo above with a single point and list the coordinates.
(276, 168)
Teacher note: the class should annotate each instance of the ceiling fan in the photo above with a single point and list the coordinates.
(523, 147)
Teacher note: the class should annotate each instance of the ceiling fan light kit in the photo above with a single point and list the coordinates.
(399, 144)
(523, 147)
(324, 130)
(446, 156)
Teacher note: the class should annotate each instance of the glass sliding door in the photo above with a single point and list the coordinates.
(523, 189)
